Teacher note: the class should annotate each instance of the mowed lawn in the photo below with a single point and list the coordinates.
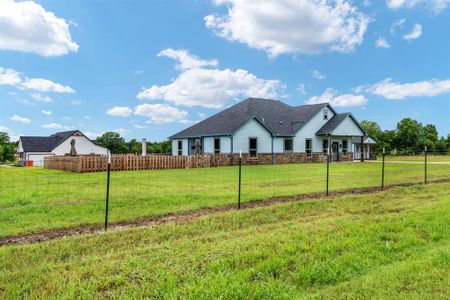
(418, 158)
(389, 245)
(36, 199)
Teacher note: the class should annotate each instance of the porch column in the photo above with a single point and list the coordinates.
(362, 149)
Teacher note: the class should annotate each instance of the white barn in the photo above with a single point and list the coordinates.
(262, 126)
(35, 148)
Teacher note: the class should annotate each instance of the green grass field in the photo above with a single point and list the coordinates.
(389, 245)
(418, 158)
(36, 199)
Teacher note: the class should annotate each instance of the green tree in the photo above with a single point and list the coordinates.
(430, 137)
(409, 135)
(7, 149)
(114, 142)
(373, 129)
(134, 146)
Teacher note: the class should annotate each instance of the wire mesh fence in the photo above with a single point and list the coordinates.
(37, 199)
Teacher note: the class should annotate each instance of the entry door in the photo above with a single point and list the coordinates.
(335, 151)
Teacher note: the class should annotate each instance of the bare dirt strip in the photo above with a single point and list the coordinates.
(52, 234)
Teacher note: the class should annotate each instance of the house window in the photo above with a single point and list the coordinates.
(325, 147)
(345, 146)
(180, 147)
(308, 147)
(253, 147)
(217, 145)
(325, 114)
(288, 145)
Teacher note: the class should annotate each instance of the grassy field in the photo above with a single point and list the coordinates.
(36, 199)
(418, 158)
(389, 245)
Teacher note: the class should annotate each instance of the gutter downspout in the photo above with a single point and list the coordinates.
(273, 153)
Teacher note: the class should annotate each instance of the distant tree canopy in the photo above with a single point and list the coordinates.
(7, 148)
(117, 144)
(409, 135)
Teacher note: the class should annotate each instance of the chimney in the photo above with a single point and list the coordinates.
(144, 147)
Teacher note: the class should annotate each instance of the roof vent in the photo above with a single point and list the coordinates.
(280, 122)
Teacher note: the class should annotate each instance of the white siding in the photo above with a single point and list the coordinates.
(83, 145)
(252, 129)
(309, 132)
(348, 127)
(175, 146)
(225, 144)
(278, 145)
(208, 145)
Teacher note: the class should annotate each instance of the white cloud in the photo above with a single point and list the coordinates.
(45, 85)
(46, 112)
(119, 111)
(20, 119)
(161, 113)
(367, 3)
(382, 43)
(13, 78)
(290, 27)
(137, 126)
(9, 77)
(187, 60)
(27, 27)
(397, 25)
(415, 33)
(4, 129)
(345, 100)
(317, 75)
(121, 131)
(76, 102)
(52, 126)
(398, 91)
(87, 117)
(40, 98)
(301, 89)
(435, 5)
(212, 88)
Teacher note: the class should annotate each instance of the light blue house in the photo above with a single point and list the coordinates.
(268, 127)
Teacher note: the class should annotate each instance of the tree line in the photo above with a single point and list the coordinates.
(409, 136)
(117, 144)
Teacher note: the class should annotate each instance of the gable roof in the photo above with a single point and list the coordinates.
(45, 143)
(278, 117)
(335, 121)
(367, 140)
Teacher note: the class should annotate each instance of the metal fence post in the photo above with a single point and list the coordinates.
(426, 162)
(328, 165)
(239, 184)
(107, 190)
(382, 169)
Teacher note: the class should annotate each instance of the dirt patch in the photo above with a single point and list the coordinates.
(52, 234)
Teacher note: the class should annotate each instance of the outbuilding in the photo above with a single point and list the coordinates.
(35, 148)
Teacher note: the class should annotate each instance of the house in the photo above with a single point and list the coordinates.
(370, 149)
(270, 128)
(35, 148)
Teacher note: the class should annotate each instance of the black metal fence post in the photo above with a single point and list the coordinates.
(107, 190)
(426, 162)
(382, 169)
(239, 185)
(328, 172)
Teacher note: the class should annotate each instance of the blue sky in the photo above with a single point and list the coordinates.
(151, 68)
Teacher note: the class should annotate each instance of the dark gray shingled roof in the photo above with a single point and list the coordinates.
(334, 122)
(45, 143)
(281, 119)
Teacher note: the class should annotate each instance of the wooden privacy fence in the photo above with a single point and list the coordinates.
(127, 162)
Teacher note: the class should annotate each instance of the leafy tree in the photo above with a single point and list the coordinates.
(7, 149)
(114, 142)
(409, 134)
(134, 146)
(373, 129)
(430, 137)
(441, 146)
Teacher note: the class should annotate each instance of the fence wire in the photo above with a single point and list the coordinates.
(35, 199)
